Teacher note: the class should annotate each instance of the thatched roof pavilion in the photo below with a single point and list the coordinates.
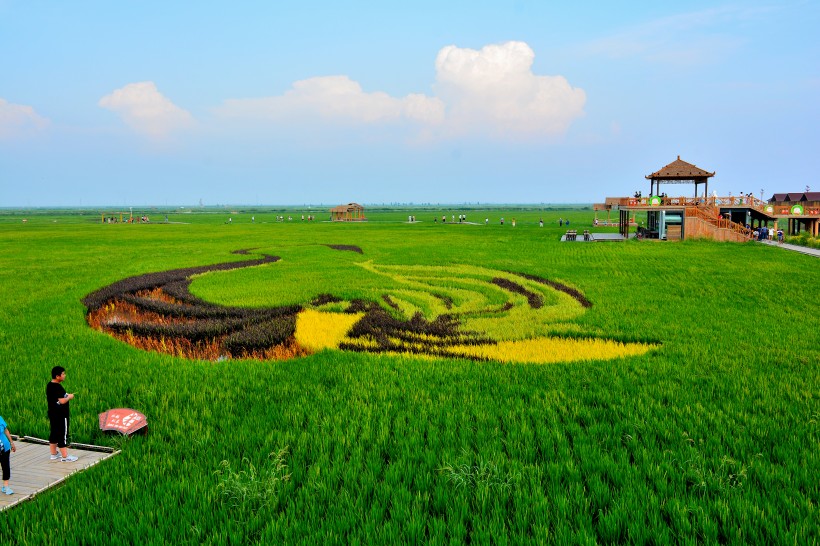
(679, 172)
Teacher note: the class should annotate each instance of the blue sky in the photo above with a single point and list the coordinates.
(173, 103)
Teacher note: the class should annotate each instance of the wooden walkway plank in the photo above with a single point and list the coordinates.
(33, 471)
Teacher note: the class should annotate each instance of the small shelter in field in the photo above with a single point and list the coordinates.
(352, 212)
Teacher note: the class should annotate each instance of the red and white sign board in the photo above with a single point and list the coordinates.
(123, 420)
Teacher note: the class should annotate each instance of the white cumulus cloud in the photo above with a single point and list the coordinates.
(17, 120)
(147, 111)
(493, 90)
(336, 99)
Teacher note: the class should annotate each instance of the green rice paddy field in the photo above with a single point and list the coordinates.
(713, 436)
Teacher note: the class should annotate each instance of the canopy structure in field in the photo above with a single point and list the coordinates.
(126, 421)
(679, 172)
(115, 217)
(352, 212)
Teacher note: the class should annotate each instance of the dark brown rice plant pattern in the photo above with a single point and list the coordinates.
(157, 311)
(350, 248)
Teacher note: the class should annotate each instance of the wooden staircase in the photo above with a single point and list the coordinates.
(705, 221)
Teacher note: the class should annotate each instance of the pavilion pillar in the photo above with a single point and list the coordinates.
(623, 224)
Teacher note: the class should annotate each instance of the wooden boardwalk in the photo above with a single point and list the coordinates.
(796, 248)
(32, 471)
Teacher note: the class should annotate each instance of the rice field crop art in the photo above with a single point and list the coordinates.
(711, 438)
(456, 311)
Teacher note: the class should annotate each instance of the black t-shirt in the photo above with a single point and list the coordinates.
(55, 391)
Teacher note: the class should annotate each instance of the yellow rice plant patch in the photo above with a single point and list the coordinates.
(547, 350)
(318, 330)
(362, 343)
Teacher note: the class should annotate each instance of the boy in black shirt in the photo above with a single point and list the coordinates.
(58, 415)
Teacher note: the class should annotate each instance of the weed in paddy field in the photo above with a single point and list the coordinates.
(709, 477)
(251, 488)
(478, 473)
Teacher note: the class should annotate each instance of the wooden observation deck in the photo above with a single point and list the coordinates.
(685, 217)
(675, 218)
(32, 471)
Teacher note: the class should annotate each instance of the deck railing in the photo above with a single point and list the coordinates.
(715, 201)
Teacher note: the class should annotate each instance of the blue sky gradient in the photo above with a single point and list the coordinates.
(173, 103)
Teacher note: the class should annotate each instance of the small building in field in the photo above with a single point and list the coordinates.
(801, 210)
(352, 212)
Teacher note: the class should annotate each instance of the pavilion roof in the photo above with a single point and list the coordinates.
(347, 208)
(680, 170)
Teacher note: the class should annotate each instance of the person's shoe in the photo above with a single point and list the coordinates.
(7, 490)
(55, 457)
(69, 459)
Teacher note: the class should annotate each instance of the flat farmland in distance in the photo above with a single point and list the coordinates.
(712, 436)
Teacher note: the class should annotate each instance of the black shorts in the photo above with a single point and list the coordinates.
(59, 431)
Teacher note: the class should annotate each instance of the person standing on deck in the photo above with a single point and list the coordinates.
(58, 415)
(6, 447)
